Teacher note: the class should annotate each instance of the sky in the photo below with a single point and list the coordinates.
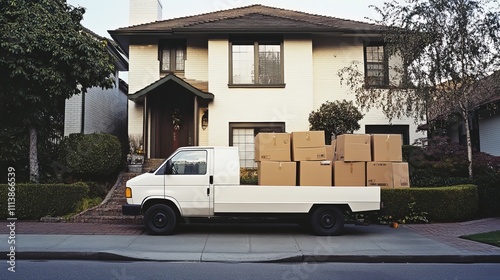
(103, 15)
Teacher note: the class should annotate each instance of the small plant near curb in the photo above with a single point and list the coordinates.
(413, 217)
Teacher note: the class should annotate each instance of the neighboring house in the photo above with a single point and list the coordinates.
(484, 119)
(220, 78)
(100, 110)
(489, 125)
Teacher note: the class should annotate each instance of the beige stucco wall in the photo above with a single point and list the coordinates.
(143, 70)
(331, 54)
(197, 59)
(310, 71)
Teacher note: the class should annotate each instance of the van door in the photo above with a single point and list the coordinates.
(187, 180)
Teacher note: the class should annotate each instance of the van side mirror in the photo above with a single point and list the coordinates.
(168, 167)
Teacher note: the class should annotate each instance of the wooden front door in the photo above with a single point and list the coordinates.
(172, 122)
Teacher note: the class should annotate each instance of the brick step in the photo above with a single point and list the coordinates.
(110, 212)
(104, 212)
(109, 219)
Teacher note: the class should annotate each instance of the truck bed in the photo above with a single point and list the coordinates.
(291, 199)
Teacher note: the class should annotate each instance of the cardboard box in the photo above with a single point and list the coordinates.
(387, 174)
(272, 147)
(354, 147)
(272, 173)
(386, 147)
(401, 175)
(330, 152)
(308, 139)
(313, 154)
(315, 173)
(347, 174)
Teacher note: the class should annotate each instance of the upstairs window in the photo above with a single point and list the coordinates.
(256, 64)
(376, 66)
(172, 56)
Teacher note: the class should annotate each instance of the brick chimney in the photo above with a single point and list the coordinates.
(144, 11)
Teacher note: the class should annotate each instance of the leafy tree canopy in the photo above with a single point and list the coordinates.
(45, 58)
(338, 117)
(447, 49)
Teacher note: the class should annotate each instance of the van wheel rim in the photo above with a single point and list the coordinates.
(160, 220)
(327, 220)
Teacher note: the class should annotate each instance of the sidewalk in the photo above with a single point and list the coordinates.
(430, 243)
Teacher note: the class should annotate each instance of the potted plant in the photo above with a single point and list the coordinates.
(135, 157)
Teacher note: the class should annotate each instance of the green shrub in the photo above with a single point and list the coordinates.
(442, 204)
(35, 201)
(91, 156)
(97, 189)
(337, 117)
(489, 194)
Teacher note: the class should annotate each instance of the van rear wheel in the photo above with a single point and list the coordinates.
(327, 220)
(160, 219)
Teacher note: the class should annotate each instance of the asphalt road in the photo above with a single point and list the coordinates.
(301, 271)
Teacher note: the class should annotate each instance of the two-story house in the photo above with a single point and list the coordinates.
(220, 78)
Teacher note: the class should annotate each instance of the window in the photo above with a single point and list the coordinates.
(172, 56)
(376, 65)
(242, 135)
(190, 162)
(256, 64)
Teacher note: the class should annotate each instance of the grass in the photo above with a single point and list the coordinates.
(492, 238)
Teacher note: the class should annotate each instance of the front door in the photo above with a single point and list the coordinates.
(172, 122)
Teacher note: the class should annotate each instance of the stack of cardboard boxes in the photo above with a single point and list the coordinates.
(299, 158)
(309, 151)
(370, 160)
(273, 157)
(303, 159)
(387, 169)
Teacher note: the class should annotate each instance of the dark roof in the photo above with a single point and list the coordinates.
(249, 19)
(121, 61)
(198, 88)
(485, 91)
(255, 16)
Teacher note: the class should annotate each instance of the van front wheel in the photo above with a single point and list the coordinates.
(327, 220)
(160, 219)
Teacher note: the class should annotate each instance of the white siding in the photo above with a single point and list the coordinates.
(489, 135)
(73, 115)
(105, 112)
(291, 104)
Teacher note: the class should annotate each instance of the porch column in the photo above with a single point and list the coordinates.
(196, 121)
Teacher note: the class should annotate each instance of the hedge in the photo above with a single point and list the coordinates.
(91, 156)
(34, 201)
(442, 204)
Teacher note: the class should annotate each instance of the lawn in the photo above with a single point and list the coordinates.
(492, 238)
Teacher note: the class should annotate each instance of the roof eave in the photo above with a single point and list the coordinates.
(141, 94)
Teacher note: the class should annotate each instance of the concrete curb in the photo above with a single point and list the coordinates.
(106, 256)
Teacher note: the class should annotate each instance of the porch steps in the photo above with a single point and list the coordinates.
(152, 164)
(110, 209)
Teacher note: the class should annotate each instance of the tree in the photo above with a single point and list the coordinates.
(447, 49)
(45, 58)
(338, 117)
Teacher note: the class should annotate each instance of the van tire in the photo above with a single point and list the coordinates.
(327, 220)
(160, 219)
